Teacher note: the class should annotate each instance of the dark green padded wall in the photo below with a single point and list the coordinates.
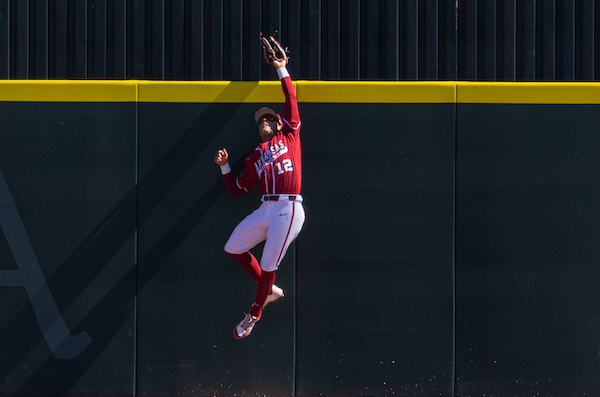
(527, 249)
(68, 234)
(442, 238)
(375, 261)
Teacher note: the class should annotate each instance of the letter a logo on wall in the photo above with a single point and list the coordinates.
(62, 344)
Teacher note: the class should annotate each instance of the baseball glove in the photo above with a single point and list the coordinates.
(272, 50)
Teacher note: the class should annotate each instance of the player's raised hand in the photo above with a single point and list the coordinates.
(222, 157)
(273, 52)
(280, 63)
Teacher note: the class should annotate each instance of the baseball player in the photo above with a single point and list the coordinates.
(276, 166)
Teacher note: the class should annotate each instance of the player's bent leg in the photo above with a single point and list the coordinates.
(247, 234)
(282, 232)
(265, 283)
(263, 289)
(249, 263)
(241, 242)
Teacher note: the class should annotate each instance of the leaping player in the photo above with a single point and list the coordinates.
(276, 165)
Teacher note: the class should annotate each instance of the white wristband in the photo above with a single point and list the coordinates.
(225, 169)
(282, 72)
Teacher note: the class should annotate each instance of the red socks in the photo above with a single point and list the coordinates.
(249, 263)
(264, 279)
(265, 283)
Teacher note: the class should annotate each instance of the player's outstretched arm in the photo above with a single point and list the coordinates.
(290, 112)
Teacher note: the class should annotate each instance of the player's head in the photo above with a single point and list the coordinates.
(268, 122)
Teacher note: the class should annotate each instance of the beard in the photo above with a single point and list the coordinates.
(266, 133)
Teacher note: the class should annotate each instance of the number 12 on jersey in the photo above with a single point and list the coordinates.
(284, 166)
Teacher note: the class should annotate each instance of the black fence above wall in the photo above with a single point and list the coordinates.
(478, 40)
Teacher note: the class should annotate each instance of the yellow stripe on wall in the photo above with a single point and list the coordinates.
(308, 91)
(68, 91)
(376, 92)
(212, 91)
(528, 93)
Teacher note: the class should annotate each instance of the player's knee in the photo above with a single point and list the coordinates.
(230, 249)
(268, 267)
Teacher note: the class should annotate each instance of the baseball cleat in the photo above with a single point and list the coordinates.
(244, 328)
(275, 294)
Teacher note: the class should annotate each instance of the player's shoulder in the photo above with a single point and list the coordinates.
(252, 156)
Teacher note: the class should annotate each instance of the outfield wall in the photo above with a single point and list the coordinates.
(450, 246)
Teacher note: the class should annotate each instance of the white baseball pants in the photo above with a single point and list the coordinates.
(277, 222)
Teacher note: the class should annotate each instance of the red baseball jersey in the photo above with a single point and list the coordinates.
(277, 164)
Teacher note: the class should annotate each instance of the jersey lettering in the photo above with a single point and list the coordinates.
(278, 150)
(269, 157)
(261, 164)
